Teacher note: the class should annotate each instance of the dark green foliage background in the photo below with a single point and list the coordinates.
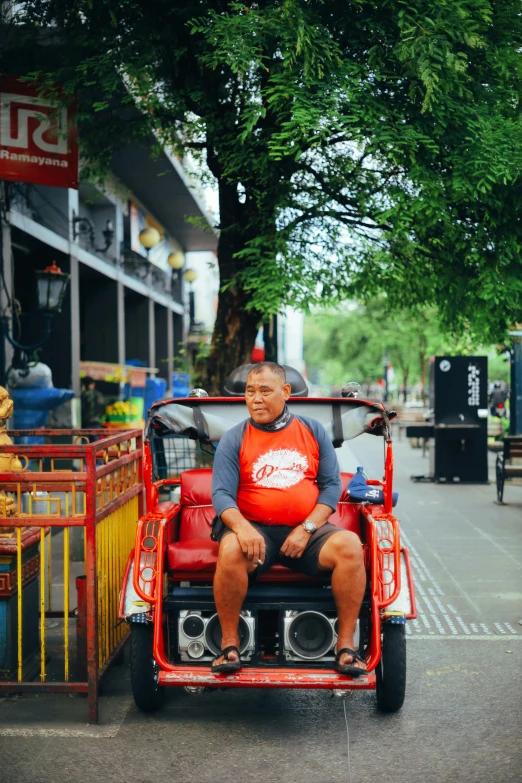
(358, 147)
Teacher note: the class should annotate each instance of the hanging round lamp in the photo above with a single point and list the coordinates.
(176, 260)
(190, 275)
(149, 237)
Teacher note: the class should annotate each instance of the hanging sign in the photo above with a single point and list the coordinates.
(37, 137)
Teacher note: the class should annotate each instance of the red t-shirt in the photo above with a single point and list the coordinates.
(277, 475)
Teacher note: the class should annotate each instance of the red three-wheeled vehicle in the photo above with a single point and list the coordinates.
(288, 622)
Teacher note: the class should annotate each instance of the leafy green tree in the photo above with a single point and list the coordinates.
(350, 345)
(357, 146)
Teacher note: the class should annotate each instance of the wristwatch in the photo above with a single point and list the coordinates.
(309, 526)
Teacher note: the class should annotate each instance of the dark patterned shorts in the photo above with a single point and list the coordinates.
(275, 536)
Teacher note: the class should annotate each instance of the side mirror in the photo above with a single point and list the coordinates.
(351, 389)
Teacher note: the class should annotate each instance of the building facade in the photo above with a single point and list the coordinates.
(124, 302)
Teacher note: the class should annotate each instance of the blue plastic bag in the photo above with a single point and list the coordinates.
(361, 492)
(32, 407)
(155, 389)
(180, 384)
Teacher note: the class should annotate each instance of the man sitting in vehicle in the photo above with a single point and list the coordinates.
(275, 484)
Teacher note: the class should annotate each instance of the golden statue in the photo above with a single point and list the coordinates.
(8, 462)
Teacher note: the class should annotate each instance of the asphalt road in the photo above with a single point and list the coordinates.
(462, 719)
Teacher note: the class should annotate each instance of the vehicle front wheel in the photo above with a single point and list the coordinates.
(148, 695)
(391, 670)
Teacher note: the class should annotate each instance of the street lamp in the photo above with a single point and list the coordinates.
(176, 260)
(51, 284)
(83, 226)
(149, 237)
(190, 275)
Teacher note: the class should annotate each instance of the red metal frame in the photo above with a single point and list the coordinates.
(151, 559)
(413, 614)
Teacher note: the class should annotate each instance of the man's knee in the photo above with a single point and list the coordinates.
(343, 548)
(230, 552)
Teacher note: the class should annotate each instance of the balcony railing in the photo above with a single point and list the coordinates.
(141, 269)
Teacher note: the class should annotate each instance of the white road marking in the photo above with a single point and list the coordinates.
(77, 730)
(457, 584)
(470, 638)
(106, 732)
(431, 609)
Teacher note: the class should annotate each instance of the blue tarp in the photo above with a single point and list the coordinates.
(180, 384)
(32, 407)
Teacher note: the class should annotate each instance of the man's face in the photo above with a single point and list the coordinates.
(265, 396)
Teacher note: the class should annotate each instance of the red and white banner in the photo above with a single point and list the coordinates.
(37, 137)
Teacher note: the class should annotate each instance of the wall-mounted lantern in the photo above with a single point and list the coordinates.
(51, 284)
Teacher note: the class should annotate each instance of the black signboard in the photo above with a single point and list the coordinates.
(459, 399)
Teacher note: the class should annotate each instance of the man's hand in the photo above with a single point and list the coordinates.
(296, 543)
(252, 543)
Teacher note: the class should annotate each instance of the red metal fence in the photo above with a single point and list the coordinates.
(78, 490)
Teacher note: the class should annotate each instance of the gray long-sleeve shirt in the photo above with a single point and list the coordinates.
(226, 472)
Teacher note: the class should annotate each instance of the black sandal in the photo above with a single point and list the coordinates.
(227, 667)
(349, 668)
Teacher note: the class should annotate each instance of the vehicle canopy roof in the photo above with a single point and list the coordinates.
(207, 418)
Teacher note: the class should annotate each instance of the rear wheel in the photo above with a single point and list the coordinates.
(391, 670)
(148, 695)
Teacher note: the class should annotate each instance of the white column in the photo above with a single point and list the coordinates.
(7, 269)
(75, 325)
(170, 348)
(121, 323)
(152, 335)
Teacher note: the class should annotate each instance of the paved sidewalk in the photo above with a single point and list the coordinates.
(466, 550)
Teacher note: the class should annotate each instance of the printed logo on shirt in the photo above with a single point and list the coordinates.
(279, 469)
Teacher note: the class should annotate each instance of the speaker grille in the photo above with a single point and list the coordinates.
(213, 634)
(193, 626)
(310, 635)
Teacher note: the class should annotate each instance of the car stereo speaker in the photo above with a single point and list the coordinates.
(308, 635)
(199, 636)
(213, 635)
(193, 626)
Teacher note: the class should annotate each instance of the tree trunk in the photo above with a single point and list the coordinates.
(405, 376)
(236, 323)
(234, 336)
(423, 365)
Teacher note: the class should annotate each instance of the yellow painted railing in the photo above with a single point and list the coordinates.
(92, 487)
(114, 541)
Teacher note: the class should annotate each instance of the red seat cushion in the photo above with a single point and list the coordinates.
(195, 552)
(198, 558)
(196, 504)
(347, 515)
(200, 554)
